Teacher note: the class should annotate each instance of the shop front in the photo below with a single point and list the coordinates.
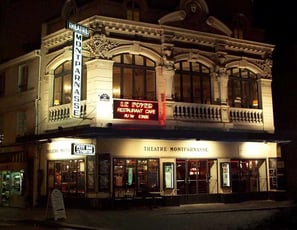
(191, 171)
(68, 164)
(13, 189)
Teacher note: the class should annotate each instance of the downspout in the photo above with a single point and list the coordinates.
(37, 175)
(37, 100)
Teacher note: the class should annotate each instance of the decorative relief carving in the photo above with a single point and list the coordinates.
(167, 55)
(266, 65)
(99, 45)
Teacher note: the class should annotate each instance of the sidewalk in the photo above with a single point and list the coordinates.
(98, 219)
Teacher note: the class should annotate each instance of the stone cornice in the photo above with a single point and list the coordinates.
(118, 31)
(124, 28)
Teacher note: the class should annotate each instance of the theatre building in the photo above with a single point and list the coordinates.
(178, 107)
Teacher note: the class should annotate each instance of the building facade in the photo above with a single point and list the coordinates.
(128, 109)
(19, 90)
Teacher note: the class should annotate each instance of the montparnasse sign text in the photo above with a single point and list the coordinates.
(78, 32)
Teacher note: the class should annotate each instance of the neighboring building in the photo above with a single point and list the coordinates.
(175, 107)
(19, 80)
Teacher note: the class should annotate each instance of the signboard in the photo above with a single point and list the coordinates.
(78, 28)
(83, 149)
(135, 109)
(78, 32)
(58, 204)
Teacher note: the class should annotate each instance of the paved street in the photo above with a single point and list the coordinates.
(245, 215)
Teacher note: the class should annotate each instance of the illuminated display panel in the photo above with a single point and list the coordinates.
(135, 110)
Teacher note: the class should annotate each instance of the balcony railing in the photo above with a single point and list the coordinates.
(63, 112)
(180, 111)
(243, 115)
(190, 111)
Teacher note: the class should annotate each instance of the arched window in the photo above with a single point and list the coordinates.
(63, 84)
(192, 83)
(243, 89)
(134, 77)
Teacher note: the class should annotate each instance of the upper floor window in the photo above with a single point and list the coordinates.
(2, 84)
(23, 78)
(63, 84)
(134, 77)
(133, 11)
(243, 88)
(1, 129)
(192, 83)
(21, 125)
(240, 26)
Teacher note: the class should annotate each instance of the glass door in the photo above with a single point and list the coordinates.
(192, 176)
(245, 175)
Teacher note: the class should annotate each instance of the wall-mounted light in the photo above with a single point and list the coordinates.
(56, 102)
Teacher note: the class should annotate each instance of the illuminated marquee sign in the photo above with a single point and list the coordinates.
(78, 33)
(134, 109)
(83, 149)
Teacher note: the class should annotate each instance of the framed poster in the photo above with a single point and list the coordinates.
(225, 174)
(104, 172)
(168, 175)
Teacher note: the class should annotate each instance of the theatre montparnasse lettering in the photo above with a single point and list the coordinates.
(135, 109)
(78, 33)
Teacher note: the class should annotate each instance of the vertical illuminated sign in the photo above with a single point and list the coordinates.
(78, 32)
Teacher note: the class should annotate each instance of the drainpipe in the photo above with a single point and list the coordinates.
(37, 54)
(37, 173)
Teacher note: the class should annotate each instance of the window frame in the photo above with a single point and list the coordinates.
(2, 84)
(23, 78)
(63, 95)
(126, 75)
(241, 92)
(185, 69)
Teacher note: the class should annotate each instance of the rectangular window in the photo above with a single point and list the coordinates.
(116, 91)
(277, 173)
(196, 90)
(57, 91)
(150, 85)
(139, 84)
(186, 91)
(23, 78)
(1, 129)
(2, 84)
(135, 177)
(21, 123)
(127, 84)
(67, 93)
(69, 176)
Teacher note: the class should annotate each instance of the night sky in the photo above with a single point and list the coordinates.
(280, 22)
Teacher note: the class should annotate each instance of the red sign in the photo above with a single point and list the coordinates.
(137, 110)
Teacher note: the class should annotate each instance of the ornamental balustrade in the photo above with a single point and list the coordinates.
(180, 111)
(62, 112)
(191, 111)
(242, 115)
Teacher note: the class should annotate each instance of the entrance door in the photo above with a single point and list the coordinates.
(245, 175)
(192, 176)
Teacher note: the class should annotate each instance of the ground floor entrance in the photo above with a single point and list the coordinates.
(138, 169)
(192, 175)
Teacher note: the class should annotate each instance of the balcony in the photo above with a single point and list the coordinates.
(63, 112)
(180, 114)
